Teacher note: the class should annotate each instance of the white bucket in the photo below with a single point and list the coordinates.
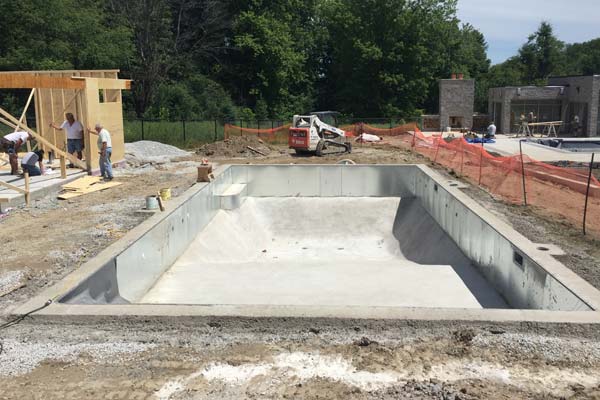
(151, 203)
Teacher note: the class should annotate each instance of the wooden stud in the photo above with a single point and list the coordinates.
(65, 107)
(52, 118)
(13, 187)
(84, 102)
(27, 193)
(63, 167)
(23, 115)
(11, 122)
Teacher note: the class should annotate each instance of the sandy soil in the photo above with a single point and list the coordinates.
(149, 359)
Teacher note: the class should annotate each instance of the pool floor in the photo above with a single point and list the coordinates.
(336, 251)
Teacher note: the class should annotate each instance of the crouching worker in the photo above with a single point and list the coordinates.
(11, 144)
(29, 161)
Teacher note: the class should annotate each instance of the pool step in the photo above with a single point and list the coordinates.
(233, 196)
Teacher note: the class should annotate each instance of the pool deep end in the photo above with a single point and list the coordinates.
(455, 254)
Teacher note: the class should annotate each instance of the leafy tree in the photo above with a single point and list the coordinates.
(61, 34)
(272, 55)
(583, 58)
(150, 21)
(542, 55)
(198, 97)
(385, 56)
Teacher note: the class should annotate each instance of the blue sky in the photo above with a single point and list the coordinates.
(506, 24)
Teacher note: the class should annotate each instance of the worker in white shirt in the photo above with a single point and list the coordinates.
(105, 151)
(11, 144)
(74, 134)
(491, 131)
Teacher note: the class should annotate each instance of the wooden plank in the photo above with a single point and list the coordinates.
(23, 115)
(25, 81)
(52, 118)
(13, 187)
(82, 182)
(63, 168)
(11, 122)
(107, 83)
(65, 107)
(91, 189)
(59, 72)
(27, 191)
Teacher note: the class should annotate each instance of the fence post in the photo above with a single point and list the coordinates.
(437, 149)
(272, 125)
(183, 125)
(258, 124)
(523, 171)
(481, 161)
(587, 192)
(215, 130)
(142, 128)
(462, 154)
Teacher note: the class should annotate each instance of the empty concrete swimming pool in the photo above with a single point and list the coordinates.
(345, 241)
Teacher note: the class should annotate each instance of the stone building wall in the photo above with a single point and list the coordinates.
(457, 99)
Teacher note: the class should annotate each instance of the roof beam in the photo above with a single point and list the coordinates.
(107, 83)
(28, 81)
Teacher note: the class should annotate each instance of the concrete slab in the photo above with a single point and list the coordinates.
(510, 146)
(361, 283)
(322, 251)
(39, 186)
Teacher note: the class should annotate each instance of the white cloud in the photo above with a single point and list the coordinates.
(506, 24)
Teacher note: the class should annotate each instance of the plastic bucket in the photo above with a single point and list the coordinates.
(151, 203)
(165, 194)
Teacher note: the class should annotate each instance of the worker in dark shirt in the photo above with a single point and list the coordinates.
(29, 161)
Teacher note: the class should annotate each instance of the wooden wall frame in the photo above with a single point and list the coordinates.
(91, 96)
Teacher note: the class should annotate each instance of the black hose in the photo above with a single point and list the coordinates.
(22, 317)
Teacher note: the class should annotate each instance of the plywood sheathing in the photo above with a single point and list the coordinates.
(77, 92)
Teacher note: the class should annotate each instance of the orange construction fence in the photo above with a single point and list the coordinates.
(556, 191)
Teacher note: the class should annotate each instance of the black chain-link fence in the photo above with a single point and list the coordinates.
(189, 133)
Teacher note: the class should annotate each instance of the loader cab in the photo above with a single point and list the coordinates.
(328, 117)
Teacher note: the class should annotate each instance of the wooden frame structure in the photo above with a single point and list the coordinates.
(91, 96)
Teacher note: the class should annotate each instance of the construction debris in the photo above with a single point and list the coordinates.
(236, 146)
(255, 150)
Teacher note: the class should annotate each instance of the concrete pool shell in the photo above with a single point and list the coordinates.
(331, 241)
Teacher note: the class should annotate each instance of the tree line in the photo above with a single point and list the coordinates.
(260, 59)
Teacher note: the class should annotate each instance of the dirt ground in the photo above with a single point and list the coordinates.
(255, 359)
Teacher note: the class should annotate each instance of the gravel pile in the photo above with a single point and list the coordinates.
(551, 349)
(149, 152)
(236, 146)
(21, 357)
(10, 280)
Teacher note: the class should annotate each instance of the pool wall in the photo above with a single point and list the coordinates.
(527, 277)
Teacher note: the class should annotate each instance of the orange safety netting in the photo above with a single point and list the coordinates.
(556, 191)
